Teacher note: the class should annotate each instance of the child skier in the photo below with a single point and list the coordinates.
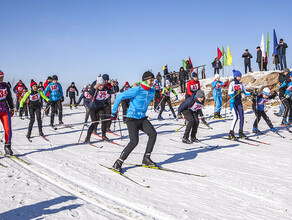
(97, 108)
(56, 97)
(166, 98)
(193, 85)
(108, 102)
(191, 109)
(217, 95)
(235, 89)
(6, 112)
(87, 100)
(140, 98)
(71, 90)
(285, 96)
(258, 107)
(24, 105)
(157, 97)
(34, 96)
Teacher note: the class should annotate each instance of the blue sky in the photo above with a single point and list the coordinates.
(80, 39)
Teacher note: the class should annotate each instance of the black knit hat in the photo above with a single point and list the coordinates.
(200, 94)
(54, 77)
(49, 77)
(147, 75)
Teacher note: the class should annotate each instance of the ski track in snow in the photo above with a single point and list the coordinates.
(65, 181)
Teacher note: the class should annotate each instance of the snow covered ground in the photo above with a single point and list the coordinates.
(65, 180)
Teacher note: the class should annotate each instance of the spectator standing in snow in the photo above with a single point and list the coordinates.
(259, 58)
(282, 53)
(216, 65)
(247, 56)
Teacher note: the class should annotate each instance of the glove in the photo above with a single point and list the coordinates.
(204, 121)
(253, 94)
(276, 94)
(11, 112)
(238, 92)
(113, 117)
(62, 99)
(176, 98)
(286, 96)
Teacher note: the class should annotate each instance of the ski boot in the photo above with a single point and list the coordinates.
(71, 106)
(219, 115)
(216, 115)
(231, 135)
(61, 123)
(160, 117)
(7, 149)
(28, 135)
(241, 134)
(273, 129)
(194, 140)
(256, 130)
(285, 122)
(105, 138)
(41, 133)
(147, 161)
(118, 165)
(87, 139)
(186, 141)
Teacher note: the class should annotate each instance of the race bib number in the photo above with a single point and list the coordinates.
(71, 90)
(54, 87)
(237, 87)
(102, 95)
(196, 106)
(167, 93)
(218, 86)
(194, 87)
(34, 97)
(87, 95)
(289, 88)
(157, 88)
(3, 94)
(263, 101)
(19, 89)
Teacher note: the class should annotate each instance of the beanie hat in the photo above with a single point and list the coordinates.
(1, 74)
(267, 91)
(32, 83)
(127, 83)
(54, 77)
(105, 77)
(286, 70)
(100, 80)
(217, 76)
(195, 74)
(147, 75)
(73, 83)
(200, 94)
(167, 83)
(236, 73)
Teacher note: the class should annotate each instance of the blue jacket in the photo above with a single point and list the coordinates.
(87, 98)
(285, 88)
(140, 99)
(55, 90)
(260, 101)
(217, 85)
(233, 87)
(99, 98)
(191, 103)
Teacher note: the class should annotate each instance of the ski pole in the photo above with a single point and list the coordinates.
(81, 133)
(159, 103)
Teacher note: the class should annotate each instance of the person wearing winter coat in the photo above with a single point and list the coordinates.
(259, 58)
(18, 91)
(193, 85)
(282, 53)
(276, 61)
(285, 96)
(247, 56)
(6, 112)
(166, 98)
(191, 109)
(216, 65)
(157, 98)
(56, 98)
(34, 96)
(25, 105)
(125, 102)
(72, 91)
(41, 88)
(159, 78)
(236, 88)
(86, 96)
(217, 94)
(183, 77)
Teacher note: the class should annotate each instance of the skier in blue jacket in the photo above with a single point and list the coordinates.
(236, 88)
(56, 97)
(286, 98)
(217, 94)
(140, 98)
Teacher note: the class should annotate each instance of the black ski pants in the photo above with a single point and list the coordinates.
(166, 99)
(56, 106)
(72, 100)
(96, 115)
(157, 99)
(259, 114)
(25, 111)
(108, 112)
(134, 125)
(216, 70)
(192, 123)
(247, 65)
(125, 106)
(287, 108)
(182, 86)
(35, 112)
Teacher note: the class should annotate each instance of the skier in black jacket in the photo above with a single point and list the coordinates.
(247, 56)
(71, 91)
(259, 57)
(183, 77)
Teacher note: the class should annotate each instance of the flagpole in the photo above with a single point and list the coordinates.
(274, 61)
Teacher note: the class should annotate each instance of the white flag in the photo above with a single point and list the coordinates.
(263, 46)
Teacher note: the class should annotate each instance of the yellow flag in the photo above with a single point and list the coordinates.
(163, 68)
(229, 57)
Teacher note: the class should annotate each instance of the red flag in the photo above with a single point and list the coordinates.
(219, 53)
(191, 64)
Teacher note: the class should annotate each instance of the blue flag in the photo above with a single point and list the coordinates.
(275, 43)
